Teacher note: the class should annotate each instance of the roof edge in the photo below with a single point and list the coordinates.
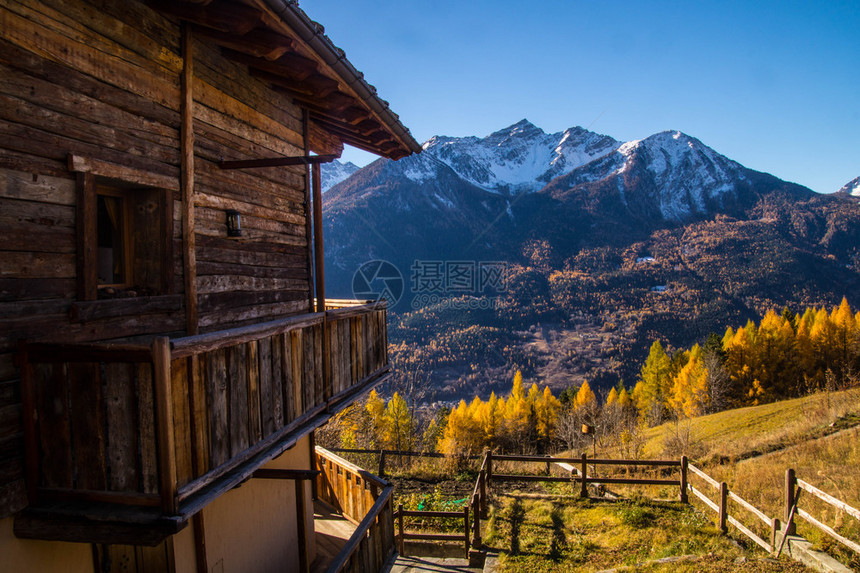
(311, 33)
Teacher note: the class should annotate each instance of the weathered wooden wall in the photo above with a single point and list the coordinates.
(102, 81)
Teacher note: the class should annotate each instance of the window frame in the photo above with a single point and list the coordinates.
(89, 187)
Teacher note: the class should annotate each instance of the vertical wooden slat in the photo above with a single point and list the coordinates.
(199, 414)
(287, 377)
(267, 419)
(219, 430)
(121, 427)
(189, 255)
(28, 415)
(238, 398)
(181, 420)
(252, 364)
(277, 382)
(51, 391)
(87, 415)
(326, 356)
(319, 368)
(147, 432)
(345, 362)
(85, 231)
(353, 348)
(164, 405)
(308, 368)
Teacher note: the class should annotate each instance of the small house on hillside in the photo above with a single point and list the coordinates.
(166, 348)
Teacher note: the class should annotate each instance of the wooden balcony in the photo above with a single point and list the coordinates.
(125, 442)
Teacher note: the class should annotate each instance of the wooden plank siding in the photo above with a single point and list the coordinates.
(102, 82)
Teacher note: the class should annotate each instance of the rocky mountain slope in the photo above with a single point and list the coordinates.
(333, 173)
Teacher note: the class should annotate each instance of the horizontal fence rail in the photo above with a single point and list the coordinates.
(721, 508)
(151, 425)
(580, 472)
(831, 501)
(403, 535)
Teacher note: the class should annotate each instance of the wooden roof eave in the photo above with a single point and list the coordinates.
(313, 35)
(281, 45)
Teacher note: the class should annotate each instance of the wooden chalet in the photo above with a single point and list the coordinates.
(166, 349)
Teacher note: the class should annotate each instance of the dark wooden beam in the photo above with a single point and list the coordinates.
(273, 473)
(259, 42)
(189, 249)
(94, 525)
(315, 86)
(288, 66)
(319, 264)
(277, 161)
(224, 16)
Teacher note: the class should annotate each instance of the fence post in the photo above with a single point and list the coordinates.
(381, 463)
(724, 498)
(400, 527)
(489, 457)
(482, 492)
(790, 483)
(476, 524)
(684, 479)
(583, 492)
(466, 528)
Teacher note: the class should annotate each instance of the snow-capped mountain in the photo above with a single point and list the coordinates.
(474, 197)
(518, 158)
(670, 171)
(333, 173)
(852, 188)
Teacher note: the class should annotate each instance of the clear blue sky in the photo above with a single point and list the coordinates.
(774, 85)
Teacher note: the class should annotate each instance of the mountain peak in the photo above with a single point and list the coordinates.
(852, 187)
(522, 128)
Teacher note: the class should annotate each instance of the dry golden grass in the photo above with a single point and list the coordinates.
(554, 535)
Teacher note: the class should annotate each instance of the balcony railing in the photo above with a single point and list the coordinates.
(364, 499)
(166, 427)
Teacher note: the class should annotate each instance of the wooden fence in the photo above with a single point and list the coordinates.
(793, 487)
(404, 535)
(365, 500)
(580, 472)
(721, 507)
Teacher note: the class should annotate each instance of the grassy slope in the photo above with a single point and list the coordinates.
(751, 448)
(568, 534)
(739, 434)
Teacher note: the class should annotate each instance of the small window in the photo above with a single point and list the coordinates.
(126, 240)
(112, 239)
